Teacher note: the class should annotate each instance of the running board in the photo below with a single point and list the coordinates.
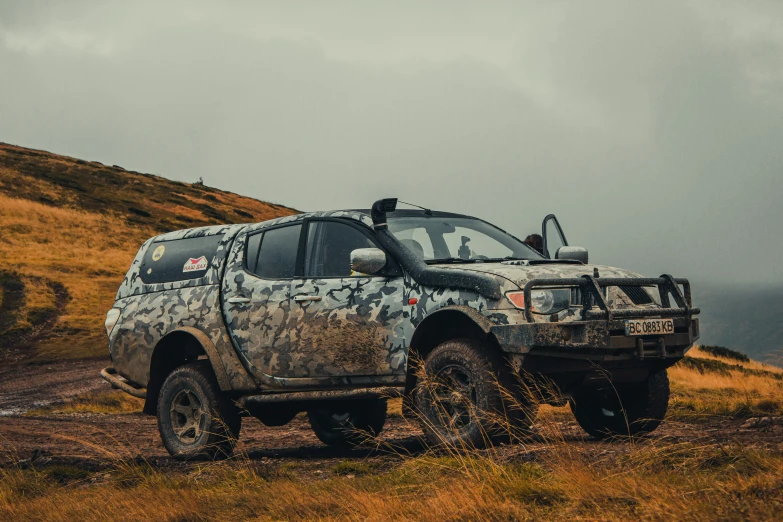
(356, 393)
(110, 375)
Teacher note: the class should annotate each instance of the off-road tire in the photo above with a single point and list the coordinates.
(460, 400)
(623, 410)
(194, 392)
(350, 425)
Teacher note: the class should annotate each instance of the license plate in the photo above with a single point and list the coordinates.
(649, 327)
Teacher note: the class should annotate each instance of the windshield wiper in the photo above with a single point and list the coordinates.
(450, 260)
(541, 261)
(507, 258)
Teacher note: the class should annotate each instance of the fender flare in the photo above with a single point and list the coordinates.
(470, 313)
(478, 324)
(212, 354)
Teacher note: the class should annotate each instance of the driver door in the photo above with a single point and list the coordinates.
(345, 324)
(553, 236)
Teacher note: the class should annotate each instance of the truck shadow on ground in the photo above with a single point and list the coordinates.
(413, 445)
(417, 445)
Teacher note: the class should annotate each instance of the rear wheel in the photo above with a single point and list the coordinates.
(348, 425)
(627, 409)
(195, 419)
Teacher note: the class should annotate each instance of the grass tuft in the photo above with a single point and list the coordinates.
(725, 353)
(349, 467)
(102, 402)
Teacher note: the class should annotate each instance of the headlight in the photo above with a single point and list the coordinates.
(544, 301)
(112, 316)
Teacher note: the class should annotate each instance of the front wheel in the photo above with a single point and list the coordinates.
(459, 395)
(349, 425)
(195, 419)
(624, 410)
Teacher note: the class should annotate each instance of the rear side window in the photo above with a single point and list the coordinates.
(178, 260)
(272, 254)
(253, 246)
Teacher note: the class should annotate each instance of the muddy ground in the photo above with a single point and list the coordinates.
(95, 440)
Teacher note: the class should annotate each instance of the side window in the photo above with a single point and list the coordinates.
(251, 255)
(178, 260)
(329, 246)
(275, 252)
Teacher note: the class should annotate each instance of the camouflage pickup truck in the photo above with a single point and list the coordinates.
(333, 313)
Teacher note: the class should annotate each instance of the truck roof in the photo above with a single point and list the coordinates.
(362, 215)
(414, 213)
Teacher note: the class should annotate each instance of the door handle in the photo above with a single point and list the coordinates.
(238, 300)
(304, 298)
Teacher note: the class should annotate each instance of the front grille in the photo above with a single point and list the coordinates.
(637, 294)
(577, 298)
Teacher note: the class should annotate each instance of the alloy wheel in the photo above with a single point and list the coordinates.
(187, 416)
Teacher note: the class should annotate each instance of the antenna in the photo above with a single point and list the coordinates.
(427, 211)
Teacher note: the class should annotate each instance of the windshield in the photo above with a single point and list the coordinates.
(458, 239)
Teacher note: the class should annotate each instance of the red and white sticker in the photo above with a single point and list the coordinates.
(194, 265)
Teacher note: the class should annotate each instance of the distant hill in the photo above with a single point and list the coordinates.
(69, 229)
(745, 319)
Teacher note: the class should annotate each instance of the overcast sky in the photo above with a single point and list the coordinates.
(654, 132)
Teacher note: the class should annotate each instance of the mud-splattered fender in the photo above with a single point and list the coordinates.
(438, 315)
(446, 323)
(209, 348)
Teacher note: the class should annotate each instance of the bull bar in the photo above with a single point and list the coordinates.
(591, 287)
(600, 334)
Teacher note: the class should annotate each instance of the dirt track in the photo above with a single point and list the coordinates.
(90, 439)
(25, 387)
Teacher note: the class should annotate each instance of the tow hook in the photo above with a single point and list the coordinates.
(659, 344)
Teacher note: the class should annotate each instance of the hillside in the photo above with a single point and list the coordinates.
(69, 229)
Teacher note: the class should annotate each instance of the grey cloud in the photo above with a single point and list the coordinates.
(652, 131)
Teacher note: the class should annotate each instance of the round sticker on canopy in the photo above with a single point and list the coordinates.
(158, 252)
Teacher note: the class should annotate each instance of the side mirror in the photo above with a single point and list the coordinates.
(572, 252)
(368, 260)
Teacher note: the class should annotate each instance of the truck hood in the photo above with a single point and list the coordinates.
(521, 274)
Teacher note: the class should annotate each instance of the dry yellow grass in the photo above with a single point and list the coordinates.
(675, 481)
(10, 179)
(105, 403)
(82, 251)
(696, 351)
(727, 388)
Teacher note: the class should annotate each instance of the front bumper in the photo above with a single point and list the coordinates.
(595, 340)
